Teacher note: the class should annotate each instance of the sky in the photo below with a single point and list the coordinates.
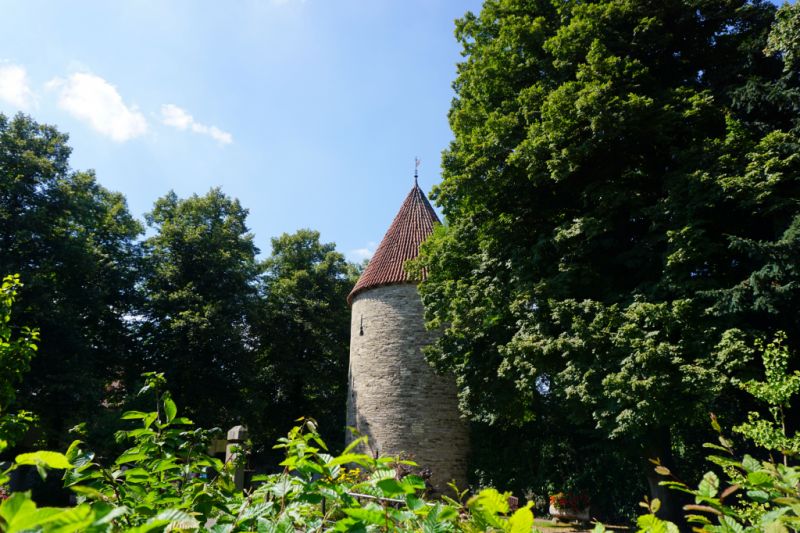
(310, 112)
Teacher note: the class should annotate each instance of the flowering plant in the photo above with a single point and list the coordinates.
(565, 500)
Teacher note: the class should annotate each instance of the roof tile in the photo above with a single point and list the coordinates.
(412, 225)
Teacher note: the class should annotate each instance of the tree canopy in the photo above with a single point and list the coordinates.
(242, 341)
(17, 347)
(622, 204)
(199, 295)
(73, 244)
(304, 324)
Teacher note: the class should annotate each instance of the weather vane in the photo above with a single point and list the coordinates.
(416, 169)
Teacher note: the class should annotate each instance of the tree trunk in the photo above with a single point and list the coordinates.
(658, 446)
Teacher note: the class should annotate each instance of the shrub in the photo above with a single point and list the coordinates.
(756, 495)
(165, 481)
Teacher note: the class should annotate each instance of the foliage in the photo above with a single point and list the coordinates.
(776, 391)
(165, 482)
(767, 496)
(16, 351)
(784, 39)
(199, 292)
(240, 340)
(621, 196)
(766, 490)
(165, 471)
(73, 244)
(303, 323)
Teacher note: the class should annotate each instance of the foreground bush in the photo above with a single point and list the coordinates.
(166, 481)
(752, 495)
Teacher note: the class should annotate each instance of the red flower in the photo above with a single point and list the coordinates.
(575, 502)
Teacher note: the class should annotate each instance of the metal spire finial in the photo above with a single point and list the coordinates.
(416, 169)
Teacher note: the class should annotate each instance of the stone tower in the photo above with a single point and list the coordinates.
(394, 396)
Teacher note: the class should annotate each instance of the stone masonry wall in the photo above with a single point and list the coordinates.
(395, 398)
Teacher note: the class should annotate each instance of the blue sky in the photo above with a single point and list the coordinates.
(309, 111)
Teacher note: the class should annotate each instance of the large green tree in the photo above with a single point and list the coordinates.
(17, 347)
(622, 205)
(73, 244)
(304, 327)
(199, 288)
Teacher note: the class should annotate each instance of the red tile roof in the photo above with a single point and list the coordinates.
(412, 225)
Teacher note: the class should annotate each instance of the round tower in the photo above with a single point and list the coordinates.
(394, 396)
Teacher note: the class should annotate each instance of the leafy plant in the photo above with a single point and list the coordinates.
(16, 351)
(756, 495)
(74, 244)
(165, 481)
(776, 391)
(166, 470)
(621, 201)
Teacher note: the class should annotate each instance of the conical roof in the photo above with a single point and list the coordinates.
(412, 225)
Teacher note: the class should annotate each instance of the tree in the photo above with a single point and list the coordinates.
(621, 196)
(73, 244)
(304, 327)
(16, 351)
(200, 287)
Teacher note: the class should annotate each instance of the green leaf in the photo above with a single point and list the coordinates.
(750, 464)
(662, 471)
(732, 525)
(109, 513)
(391, 487)
(413, 483)
(655, 505)
(136, 474)
(414, 503)
(131, 456)
(759, 478)
(652, 524)
(776, 527)
(17, 506)
(134, 415)
(74, 519)
(369, 516)
(350, 525)
(758, 496)
(709, 486)
(521, 521)
(282, 487)
(715, 447)
(73, 451)
(88, 492)
(354, 444)
(72, 477)
(53, 460)
(356, 458)
(33, 520)
(166, 464)
(170, 409)
(490, 501)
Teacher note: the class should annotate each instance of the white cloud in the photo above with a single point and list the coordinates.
(359, 254)
(172, 115)
(93, 100)
(14, 86)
